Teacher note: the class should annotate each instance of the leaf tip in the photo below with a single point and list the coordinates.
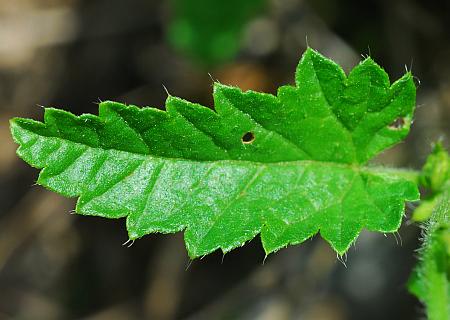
(192, 253)
(217, 87)
(13, 127)
(107, 106)
(310, 53)
(16, 122)
(13, 123)
(369, 61)
(17, 127)
(341, 251)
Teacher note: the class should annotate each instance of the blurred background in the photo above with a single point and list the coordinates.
(73, 53)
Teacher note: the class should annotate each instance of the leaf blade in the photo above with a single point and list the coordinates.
(188, 169)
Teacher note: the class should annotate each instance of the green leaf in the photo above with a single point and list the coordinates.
(436, 171)
(285, 166)
(434, 176)
(430, 281)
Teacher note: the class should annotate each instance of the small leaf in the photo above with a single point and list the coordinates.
(436, 171)
(434, 176)
(285, 166)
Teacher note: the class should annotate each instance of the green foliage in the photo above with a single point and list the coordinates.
(285, 166)
(430, 280)
(434, 177)
(436, 171)
(210, 31)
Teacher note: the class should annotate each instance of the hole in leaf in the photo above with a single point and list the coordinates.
(397, 124)
(248, 138)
